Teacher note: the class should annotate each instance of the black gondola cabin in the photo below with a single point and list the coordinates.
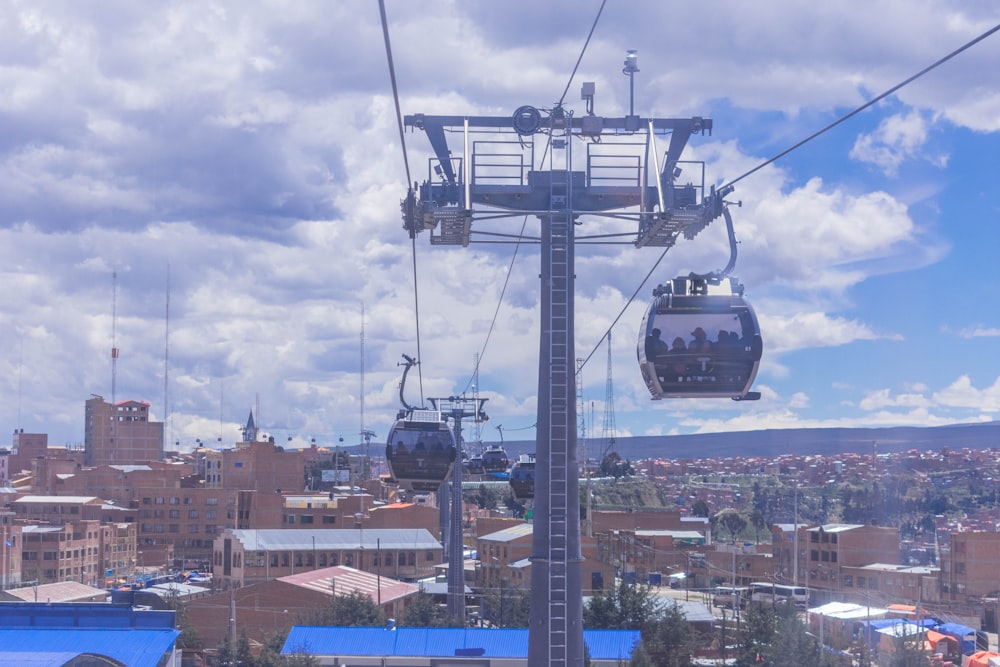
(420, 450)
(700, 341)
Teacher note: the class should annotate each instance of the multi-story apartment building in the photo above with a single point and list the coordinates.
(91, 546)
(833, 546)
(10, 551)
(62, 551)
(26, 447)
(120, 433)
(504, 560)
(969, 566)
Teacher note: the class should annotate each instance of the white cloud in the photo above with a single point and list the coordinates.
(962, 394)
(897, 139)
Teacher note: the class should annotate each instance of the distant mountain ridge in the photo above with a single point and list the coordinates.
(774, 442)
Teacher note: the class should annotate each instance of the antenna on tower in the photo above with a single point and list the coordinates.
(114, 333)
(609, 410)
(166, 362)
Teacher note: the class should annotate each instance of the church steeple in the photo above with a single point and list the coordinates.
(250, 430)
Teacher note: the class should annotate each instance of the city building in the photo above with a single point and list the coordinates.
(969, 566)
(836, 545)
(242, 557)
(440, 647)
(52, 634)
(120, 433)
(266, 607)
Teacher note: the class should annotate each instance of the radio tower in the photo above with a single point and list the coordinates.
(610, 432)
(166, 361)
(114, 339)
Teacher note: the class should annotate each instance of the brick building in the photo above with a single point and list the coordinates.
(969, 566)
(242, 557)
(120, 433)
(265, 608)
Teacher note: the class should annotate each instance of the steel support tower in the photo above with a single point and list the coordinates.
(622, 180)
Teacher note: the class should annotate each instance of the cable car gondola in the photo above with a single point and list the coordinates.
(699, 343)
(522, 477)
(495, 459)
(700, 337)
(420, 450)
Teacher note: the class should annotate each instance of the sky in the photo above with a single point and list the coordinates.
(213, 188)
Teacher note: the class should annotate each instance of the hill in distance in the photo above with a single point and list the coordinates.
(775, 442)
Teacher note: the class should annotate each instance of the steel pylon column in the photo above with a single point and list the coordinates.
(456, 549)
(555, 636)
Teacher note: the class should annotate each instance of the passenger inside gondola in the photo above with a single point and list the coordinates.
(655, 346)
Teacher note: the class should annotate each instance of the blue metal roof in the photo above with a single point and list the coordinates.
(443, 642)
(37, 646)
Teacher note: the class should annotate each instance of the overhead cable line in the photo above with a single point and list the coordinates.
(785, 152)
(409, 182)
(864, 106)
(582, 51)
(520, 236)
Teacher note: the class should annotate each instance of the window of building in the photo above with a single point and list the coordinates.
(192, 528)
(159, 501)
(175, 501)
(290, 519)
(328, 519)
(211, 501)
(147, 501)
(388, 559)
(412, 558)
(848, 581)
(274, 560)
(833, 556)
(959, 568)
(833, 538)
(175, 514)
(814, 537)
(187, 500)
(192, 514)
(306, 518)
(174, 528)
(825, 556)
(429, 556)
(211, 514)
(814, 555)
(861, 582)
(285, 560)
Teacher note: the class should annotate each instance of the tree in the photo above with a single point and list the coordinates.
(355, 608)
(423, 612)
(669, 640)
(732, 521)
(612, 465)
(700, 508)
(506, 608)
(629, 606)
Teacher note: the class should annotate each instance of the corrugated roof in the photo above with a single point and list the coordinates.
(135, 648)
(306, 539)
(61, 500)
(442, 642)
(509, 534)
(343, 580)
(60, 591)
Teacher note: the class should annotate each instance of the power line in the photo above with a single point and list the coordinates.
(582, 51)
(864, 106)
(785, 152)
(409, 181)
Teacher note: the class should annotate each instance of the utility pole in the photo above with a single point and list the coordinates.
(499, 167)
